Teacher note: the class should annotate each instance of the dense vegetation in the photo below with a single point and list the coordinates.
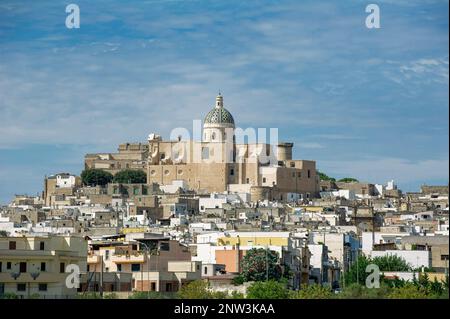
(357, 271)
(260, 264)
(94, 177)
(130, 176)
(325, 177)
(348, 180)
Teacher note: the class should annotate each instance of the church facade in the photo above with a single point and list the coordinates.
(219, 163)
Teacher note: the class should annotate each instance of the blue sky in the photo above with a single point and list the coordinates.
(368, 103)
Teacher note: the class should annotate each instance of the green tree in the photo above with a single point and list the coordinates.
(238, 280)
(348, 180)
(313, 292)
(197, 289)
(94, 177)
(260, 264)
(325, 177)
(391, 263)
(357, 271)
(267, 290)
(130, 176)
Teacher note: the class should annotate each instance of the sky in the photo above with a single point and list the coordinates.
(368, 103)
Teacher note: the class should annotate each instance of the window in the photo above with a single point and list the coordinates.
(309, 173)
(0, 266)
(88, 268)
(106, 254)
(42, 245)
(232, 171)
(163, 156)
(264, 180)
(299, 174)
(12, 245)
(153, 286)
(62, 267)
(8, 265)
(205, 271)
(164, 246)
(43, 266)
(135, 267)
(23, 267)
(107, 269)
(205, 153)
(168, 286)
(213, 136)
(119, 267)
(42, 287)
(292, 164)
(21, 287)
(444, 257)
(248, 180)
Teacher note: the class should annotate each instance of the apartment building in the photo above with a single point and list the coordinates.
(37, 265)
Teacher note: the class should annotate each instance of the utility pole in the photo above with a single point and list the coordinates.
(267, 263)
(101, 277)
(357, 266)
(147, 248)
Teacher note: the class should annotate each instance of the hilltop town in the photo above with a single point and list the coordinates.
(161, 215)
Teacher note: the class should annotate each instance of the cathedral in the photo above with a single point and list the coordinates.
(222, 162)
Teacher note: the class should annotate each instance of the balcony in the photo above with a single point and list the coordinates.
(29, 253)
(128, 258)
(44, 277)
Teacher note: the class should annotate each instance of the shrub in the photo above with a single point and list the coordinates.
(267, 290)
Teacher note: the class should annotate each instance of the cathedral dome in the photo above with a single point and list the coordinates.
(219, 115)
